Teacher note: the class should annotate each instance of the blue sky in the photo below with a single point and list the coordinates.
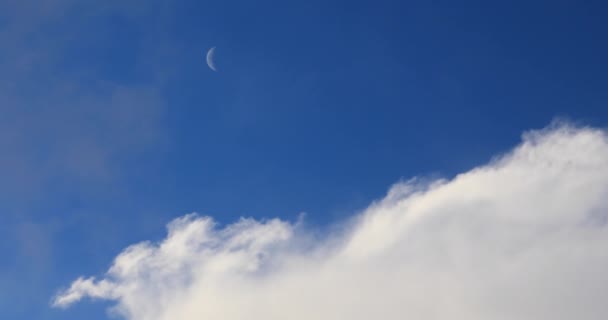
(111, 124)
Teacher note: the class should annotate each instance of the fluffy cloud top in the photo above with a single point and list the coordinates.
(523, 237)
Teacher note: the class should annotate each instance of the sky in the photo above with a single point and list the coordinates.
(401, 147)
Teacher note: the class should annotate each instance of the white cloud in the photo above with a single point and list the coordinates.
(523, 237)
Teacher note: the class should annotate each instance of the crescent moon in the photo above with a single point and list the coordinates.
(210, 62)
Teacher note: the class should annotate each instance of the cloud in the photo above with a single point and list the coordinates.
(65, 117)
(72, 127)
(523, 237)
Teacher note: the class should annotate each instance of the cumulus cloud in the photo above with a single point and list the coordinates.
(523, 237)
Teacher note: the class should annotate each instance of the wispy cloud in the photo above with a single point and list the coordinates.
(60, 117)
(523, 237)
(70, 126)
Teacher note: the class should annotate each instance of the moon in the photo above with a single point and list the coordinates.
(210, 61)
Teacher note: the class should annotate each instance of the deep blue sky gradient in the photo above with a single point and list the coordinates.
(112, 124)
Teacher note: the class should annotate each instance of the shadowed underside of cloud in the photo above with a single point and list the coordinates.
(523, 237)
